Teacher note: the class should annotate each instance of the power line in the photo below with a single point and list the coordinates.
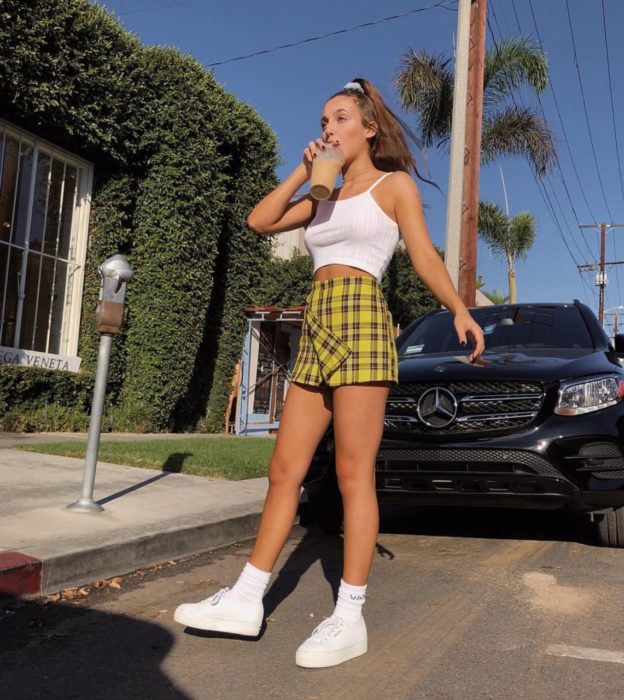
(541, 186)
(513, 4)
(440, 4)
(591, 138)
(565, 136)
(565, 186)
(551, 210)
(617, 147)
(500, 33)
(503, 14)
(563, 182)
(551, 85)
(565, 220)
(154, 7)
(602, 265)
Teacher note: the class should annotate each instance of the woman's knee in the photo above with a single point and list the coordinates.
(354, 478)
(285, 473)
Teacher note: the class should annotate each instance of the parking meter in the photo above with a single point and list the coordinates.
(116, 273)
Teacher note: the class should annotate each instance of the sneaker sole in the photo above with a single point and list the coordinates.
(246, 629)
(322, 659)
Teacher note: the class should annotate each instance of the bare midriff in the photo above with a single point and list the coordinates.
(336, 270)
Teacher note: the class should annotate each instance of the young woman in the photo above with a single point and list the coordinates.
(346, 362)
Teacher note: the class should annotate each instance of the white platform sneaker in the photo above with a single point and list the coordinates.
(333, 642)
(222, 613)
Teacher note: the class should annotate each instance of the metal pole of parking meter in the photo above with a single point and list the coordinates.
(116, 273)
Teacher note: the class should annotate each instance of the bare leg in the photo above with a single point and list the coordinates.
(306, 414)
(358, 426)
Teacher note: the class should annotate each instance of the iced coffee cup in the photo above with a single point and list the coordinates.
(325, 168)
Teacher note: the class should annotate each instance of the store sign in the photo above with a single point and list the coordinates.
(31, 358)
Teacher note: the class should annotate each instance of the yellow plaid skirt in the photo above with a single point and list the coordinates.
(347, 335)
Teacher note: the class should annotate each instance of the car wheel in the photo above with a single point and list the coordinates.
(611, 528)
(326, 507)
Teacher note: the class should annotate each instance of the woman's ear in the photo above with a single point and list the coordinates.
(371, 130)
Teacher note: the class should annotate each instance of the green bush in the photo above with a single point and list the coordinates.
(178, 165)
(407, 296)
(35, 399)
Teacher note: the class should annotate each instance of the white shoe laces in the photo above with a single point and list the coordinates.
(329, 628)
(214, 599)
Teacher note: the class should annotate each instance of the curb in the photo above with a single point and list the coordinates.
(26, 576)
(20, 575)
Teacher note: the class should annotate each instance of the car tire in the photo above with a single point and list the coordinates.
(611, 528)
(326, 506)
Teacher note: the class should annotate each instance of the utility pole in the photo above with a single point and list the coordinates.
(463, 202)
(467, 286)
(455, 199)
(601, 277)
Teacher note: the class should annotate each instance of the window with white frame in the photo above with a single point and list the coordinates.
(45, 195)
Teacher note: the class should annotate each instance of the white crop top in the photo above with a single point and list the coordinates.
(354, 231)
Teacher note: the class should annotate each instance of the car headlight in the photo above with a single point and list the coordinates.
(576, 397)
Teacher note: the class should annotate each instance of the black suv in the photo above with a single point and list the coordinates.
(536, 422)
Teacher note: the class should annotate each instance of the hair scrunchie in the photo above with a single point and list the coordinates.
(353, 86)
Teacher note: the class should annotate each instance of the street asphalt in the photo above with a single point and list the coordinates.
(461, 605)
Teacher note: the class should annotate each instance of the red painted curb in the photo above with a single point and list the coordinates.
(20, 575)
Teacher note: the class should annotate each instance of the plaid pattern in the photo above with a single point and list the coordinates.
(347, 335)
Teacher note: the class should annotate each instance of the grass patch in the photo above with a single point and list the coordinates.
(219, 457)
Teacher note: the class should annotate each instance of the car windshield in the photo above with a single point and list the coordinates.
(505, 328)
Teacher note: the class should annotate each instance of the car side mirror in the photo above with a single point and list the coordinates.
(618, 341)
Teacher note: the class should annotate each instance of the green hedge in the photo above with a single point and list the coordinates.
(288, 284)
(34, 399)
(407, 296)
(178, 165)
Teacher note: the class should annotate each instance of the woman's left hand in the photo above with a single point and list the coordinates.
(467, 327)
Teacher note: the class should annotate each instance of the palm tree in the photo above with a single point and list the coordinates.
(425, 84)
(496, 296)
(509, 238)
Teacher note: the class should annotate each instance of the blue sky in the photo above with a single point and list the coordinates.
(288, 87)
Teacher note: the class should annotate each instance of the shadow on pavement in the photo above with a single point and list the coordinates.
(483, 523)
(488, 523)
(313, 546)
(67, 651)
(173, 465)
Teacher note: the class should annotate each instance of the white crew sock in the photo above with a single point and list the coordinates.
(251, 584)
(350, 601)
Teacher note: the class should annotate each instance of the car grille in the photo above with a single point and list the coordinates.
(396, 461)
(482, 407)
(603, 459)
(462, 471)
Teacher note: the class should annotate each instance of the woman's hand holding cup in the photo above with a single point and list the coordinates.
(309, 153)
(325, 168)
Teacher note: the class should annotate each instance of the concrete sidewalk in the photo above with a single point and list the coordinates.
(149, 517)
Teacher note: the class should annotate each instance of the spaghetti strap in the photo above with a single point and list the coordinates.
(378, 181)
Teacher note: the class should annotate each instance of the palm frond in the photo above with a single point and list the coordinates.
(425, 84)
(493, 227)
(496, 296)
(506, 237)
(514, 62)
(519, 131)
(521, 234)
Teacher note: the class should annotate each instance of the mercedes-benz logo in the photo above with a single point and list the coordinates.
(437, 407)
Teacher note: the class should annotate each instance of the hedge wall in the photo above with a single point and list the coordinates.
(41, 399)
(178, 164)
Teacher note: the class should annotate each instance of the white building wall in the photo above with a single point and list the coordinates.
(285, 243)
